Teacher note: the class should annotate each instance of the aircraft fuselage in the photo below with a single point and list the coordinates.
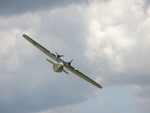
(59, 67)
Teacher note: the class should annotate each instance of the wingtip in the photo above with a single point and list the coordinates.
(100, 87)
(24, 35)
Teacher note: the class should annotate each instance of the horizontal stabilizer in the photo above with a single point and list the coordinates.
(50, 61)
(65, 71)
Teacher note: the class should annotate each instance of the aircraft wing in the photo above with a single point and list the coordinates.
(66, 65)
(83, 76)
(40, 47)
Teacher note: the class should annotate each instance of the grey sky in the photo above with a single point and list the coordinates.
(9, 7)
(107, 41)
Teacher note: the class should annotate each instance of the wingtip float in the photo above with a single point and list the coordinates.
(61, 65)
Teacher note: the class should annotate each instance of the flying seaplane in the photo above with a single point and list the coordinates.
(61, 65)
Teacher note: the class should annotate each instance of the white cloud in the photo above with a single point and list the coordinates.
(8, 55)
(30, 85)
(119, 41)
(111, 39)
(118, 44)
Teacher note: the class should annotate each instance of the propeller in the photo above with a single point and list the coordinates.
(58, 55)
(69, 63)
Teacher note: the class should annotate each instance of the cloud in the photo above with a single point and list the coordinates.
(117, 47)
(110, 42)
(9, 7)
(28, 84)
(141, 96)
(118, 44)
(8, 62)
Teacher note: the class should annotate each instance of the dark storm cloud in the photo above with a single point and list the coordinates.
(10, 7)
(146, 4)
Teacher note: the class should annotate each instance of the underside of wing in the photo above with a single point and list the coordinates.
(83, 76)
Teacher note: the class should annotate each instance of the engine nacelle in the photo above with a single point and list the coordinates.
(58, 67)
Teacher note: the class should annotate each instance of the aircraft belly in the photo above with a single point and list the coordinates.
(58, 67)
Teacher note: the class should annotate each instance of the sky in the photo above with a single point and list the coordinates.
(108, 40)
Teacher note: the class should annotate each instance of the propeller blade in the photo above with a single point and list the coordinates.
(69, 63)
(58, 55)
